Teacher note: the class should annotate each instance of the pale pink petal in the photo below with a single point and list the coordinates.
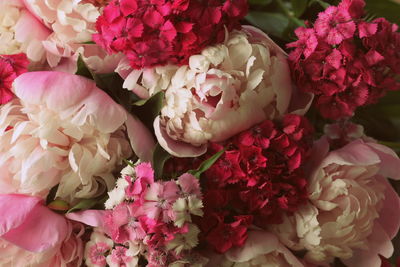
(14, 210)
(379, 243)
(176, 148)
(141, 139)
(93, 218)
(390, 162)
(30, 32)
(41, 229)
(389, 216)
(354, 153)
(64, 92)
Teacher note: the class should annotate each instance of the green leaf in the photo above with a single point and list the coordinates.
(384, 8)
(206, 164)
(83, 69)
(88, 42)
(299, 6)
(160, 156)
(320, 2)
(260, 2)
(271, 23)
(86, 204)
(149, 110)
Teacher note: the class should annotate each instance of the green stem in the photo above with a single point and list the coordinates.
(394, 145)
(289, 14)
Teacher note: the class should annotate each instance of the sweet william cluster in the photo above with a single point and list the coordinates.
(346, 61)
(158, 32)
(259, 178)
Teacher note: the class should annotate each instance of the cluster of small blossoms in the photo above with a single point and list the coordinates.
(258, 178)
(101, 251)
(11, 66)
(158, 32)
(344, 60)
(155, 215)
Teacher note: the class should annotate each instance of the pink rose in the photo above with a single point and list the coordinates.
(353, 210)
(63, 130)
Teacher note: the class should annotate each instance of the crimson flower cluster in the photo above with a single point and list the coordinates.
(344, 60)
(11, 66)
(259, 177)
(158, 32)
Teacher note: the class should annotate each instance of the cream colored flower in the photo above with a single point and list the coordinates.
(20, 31)
(226, 89)
(70, 20)
(350, 215)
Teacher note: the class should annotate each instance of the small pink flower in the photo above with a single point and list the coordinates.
(97, 248)
(159, 199)
(335, 25)
(120, 256)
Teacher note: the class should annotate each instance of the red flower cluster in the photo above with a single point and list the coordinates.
(158, 32)
(345, 61)
(257, 179)
(11, 66)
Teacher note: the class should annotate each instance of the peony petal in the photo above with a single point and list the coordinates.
(64, 92)
(261, 243)
(389, 217)
(35, 231)
(390, 162)
(93, 218)
(176, 148)
(141, 139)
(14, 210)
(354, 153)
(379, 243)
(258, 243)
(44, 87)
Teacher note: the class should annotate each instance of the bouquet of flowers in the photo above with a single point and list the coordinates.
(178, 133)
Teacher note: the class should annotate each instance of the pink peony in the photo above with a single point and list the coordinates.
(33, 235)
(20, 31)
(63, 130)
(71, 21)
(224, 90)
(71, 25)
(353, 210)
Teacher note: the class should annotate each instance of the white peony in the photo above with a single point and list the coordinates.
(353, 210)
(224, 90)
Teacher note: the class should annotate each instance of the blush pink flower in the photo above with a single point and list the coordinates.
(57, 132)
(71, 21)
(352, 214)
(20, 31)
(33, 235)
